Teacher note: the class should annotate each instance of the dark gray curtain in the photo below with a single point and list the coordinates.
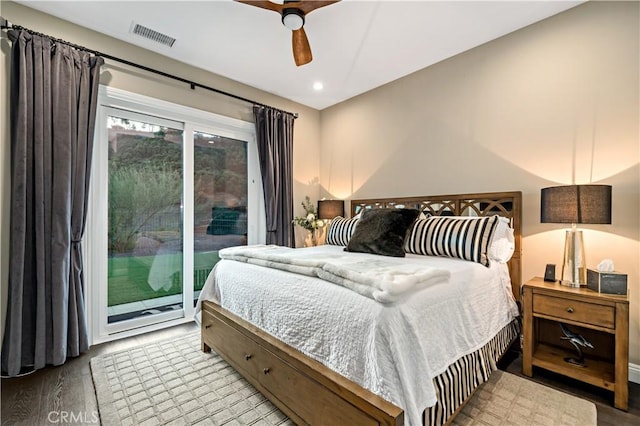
(274, 131)
(53, 103)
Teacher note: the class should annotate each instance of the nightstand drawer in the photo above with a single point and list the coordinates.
(574, 310)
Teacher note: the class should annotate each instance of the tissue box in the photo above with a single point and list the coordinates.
(607, 282)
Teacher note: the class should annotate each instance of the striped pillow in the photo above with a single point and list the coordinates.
(340, 231)
(466, 239)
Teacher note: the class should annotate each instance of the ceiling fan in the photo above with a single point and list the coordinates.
(293, 15)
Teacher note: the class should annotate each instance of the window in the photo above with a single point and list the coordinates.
(170, 187)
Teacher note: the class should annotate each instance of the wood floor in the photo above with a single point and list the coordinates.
(65, 394)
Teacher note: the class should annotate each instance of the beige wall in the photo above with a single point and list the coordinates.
(307, 126)
(553, 103)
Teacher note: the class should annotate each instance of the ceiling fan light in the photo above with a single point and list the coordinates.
(293, 19)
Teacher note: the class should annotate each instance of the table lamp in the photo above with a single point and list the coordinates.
(328, 209)
(575, 204)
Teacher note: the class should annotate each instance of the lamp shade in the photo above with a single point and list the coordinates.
(328, 209)
(576, 204)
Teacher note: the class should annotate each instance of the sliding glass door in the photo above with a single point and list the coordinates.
(145, 237)
(220, 200)
(169, 190)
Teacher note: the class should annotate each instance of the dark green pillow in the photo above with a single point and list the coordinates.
(382, 231)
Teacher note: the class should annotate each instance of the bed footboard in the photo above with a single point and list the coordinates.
(305, 390)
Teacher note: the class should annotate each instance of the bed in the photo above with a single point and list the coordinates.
(324, 354)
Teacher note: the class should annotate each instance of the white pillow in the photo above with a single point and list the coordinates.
(503, 243)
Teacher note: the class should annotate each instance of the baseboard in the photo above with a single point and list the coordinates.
(634, 373)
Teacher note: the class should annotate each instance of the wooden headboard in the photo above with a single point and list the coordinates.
(506, 204)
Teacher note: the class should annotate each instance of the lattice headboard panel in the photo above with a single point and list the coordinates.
(506, 204)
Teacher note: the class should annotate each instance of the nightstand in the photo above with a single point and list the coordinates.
(603, 319)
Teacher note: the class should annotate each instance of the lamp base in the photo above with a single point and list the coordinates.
(571, 284)
(574, 270)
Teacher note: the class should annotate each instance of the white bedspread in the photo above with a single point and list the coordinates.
(394, 350)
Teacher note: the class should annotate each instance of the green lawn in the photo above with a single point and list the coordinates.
(128, 276)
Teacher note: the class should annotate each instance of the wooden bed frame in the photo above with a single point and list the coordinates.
(304, 389)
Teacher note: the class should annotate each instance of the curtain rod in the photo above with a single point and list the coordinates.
(8, 25)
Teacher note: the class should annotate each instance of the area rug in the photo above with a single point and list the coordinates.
(174, 382)
(506, 399)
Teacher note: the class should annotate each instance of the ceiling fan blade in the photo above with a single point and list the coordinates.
(304, 6)
(264, 4)
(301, 49)
(311, 5)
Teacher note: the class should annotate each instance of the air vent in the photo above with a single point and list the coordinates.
(152, 35)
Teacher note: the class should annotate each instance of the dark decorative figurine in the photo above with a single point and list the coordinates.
(576, 340)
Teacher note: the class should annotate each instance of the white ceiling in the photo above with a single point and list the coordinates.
(357, 45)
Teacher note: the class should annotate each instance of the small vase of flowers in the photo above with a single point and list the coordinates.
(310, 220)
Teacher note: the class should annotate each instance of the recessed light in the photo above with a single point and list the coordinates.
(317, 86)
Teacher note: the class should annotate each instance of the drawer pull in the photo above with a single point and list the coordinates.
(570, 310)
(207, 326)
(266, 370)
(248, 357)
